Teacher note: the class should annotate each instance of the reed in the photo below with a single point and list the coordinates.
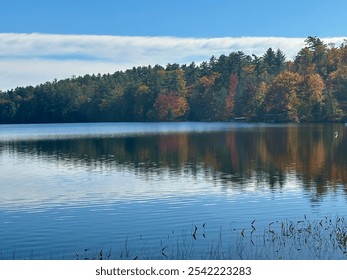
(322, 239)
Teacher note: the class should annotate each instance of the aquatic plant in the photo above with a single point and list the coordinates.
(288, 239)
(324, 239)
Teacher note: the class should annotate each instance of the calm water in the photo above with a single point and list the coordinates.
(168, 190)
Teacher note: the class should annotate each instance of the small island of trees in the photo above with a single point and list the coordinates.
(311, 88)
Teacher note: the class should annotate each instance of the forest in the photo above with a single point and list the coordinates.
(238, 86)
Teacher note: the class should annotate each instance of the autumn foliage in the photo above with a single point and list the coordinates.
(171, 106)
(312, 87)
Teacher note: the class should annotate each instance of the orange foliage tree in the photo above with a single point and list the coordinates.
(171, 106)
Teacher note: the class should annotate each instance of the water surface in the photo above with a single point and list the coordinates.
(165, 190)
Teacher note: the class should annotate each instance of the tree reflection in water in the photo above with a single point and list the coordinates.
(270, 154)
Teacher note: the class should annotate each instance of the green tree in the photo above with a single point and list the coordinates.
(269, 61)
(312, 58)
(337, 88)
(7, 108)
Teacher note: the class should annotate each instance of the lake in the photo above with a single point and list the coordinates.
(173, 191)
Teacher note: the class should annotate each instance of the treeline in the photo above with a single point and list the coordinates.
(312, 87)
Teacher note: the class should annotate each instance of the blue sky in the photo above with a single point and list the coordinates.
(74, 37)
(180, 18)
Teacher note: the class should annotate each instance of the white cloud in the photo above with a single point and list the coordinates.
(30, 59)
(33, 71)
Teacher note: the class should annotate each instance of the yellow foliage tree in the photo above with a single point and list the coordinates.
(281, 98)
